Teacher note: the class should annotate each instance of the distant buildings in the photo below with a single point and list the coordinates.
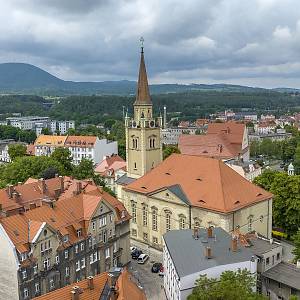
(248, 170)
(4, 145)
(89, 147)
(37, 124)
(60, 232)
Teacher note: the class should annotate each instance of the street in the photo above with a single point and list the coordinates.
(152, 283)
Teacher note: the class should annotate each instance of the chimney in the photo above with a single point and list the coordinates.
(61, 181)
(56, 193)
(75, 293)
(42, 183)
(208, 252)
(10, 190)
(78, 187)
(210, 232)
(196, 233)
(234, 244)
(15, 196)
(91, 282)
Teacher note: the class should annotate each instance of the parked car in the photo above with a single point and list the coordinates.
(132, 249)
(156, 267)
(136, 253)
(161, 271)
(142, 258)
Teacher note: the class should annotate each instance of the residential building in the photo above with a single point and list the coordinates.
(248, 169)
(37, 124)
(223, 141)
(143, 131)
(275, 136)
(186, 191)
(265, 127)
(117, 285)
(206, 251)
(111, 169)
(89, 147)
(80, 234)
(170, 136)
(4, 145)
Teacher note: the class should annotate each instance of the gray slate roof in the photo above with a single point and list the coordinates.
(259, 246)
(285, 273)
(124, 180)
(188, 254)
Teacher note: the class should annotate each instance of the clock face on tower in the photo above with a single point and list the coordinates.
(152, 123)
(134, 124)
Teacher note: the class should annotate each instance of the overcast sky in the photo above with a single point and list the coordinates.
(254, 42)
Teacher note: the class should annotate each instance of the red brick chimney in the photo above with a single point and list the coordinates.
(91, 282)
(61, 182)
(78, 187)
(196, 233)
(234, 244)
(43, 186)
(10, 190)
(208, 252)
(210, 232)
(75, 292)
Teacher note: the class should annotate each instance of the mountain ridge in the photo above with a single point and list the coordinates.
(27, 78)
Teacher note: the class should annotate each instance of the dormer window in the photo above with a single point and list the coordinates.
(79, 232)
(66, 238)
(23, 256)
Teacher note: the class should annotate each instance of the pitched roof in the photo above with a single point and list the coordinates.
(127, 289)
(111, 164)
(85, 292)
(233, 129)
(79, 140)
(205, 182)
(53, 140)
(142, 94)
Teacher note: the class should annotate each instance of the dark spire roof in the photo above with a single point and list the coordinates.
(142, 94)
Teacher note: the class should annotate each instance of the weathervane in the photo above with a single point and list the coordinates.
(142, 43)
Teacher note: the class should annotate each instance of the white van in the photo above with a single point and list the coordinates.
(142, 258)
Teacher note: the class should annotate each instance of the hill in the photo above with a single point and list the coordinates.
(21, 78)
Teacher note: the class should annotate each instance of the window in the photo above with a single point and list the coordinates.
(90, 242)
(133, 232)
(46, 263)
(104, 233)
(24, 274)
(83, 263)
(111, 218)
(93, 225)
(102, 221)
(115, 246)
(51, 283)
(76, 248)
(279, 285)
(133, 211)
(57, 259)
(154, 219)
(77, 265)
(168, 221)
(110, 233)
(26, 293)
(267, 260)
(107, 253)
(82, 246)
(145, 216)
(155, 240)
(278, 256)
(66, 253)
(250, 220)
(145, 236)
(79, 232)
(182, 222)
(37, 287)
(135, 167)
(91, 258)
(67, 271)
(35, 269)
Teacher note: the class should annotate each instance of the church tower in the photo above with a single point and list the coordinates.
(143, 131)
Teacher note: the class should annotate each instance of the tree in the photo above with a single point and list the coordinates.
(297, 160)
(16, 150)
(231, 285)
(101, 182)
(199, 132)
(64, 157)
(296, 239)
(118, 131)
(84, 170)
(169, 149)
(46, 131)
(49, 173)
(109, 123)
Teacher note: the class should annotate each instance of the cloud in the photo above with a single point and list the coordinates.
(248, 42)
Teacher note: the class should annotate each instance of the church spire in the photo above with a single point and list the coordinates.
(142, 94)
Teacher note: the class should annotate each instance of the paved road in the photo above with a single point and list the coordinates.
(150, 282)
(287, 249)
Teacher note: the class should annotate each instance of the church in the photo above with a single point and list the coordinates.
(183, 191)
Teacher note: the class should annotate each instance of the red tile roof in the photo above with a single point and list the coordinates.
(85, 292)
(110, 165)
(80, 141)
(205, 182)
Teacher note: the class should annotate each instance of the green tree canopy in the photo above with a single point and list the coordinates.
(84, 170)
(46, 131)
(231, 285)
(16, 150)
(64, 157)
(296, 239)
(169, 149)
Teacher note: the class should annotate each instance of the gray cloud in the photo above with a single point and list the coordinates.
(248, 42)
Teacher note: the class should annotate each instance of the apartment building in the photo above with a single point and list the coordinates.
(61, 126)
(89, 147)
(82, 233)
(4, 145)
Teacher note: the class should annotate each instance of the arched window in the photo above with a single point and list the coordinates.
(154, 219)
(133, 143)
(135, 166)
(142, 115)
(133, 211)
(197, 222)
(145, 215)
(153, 143)
(182, 221)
